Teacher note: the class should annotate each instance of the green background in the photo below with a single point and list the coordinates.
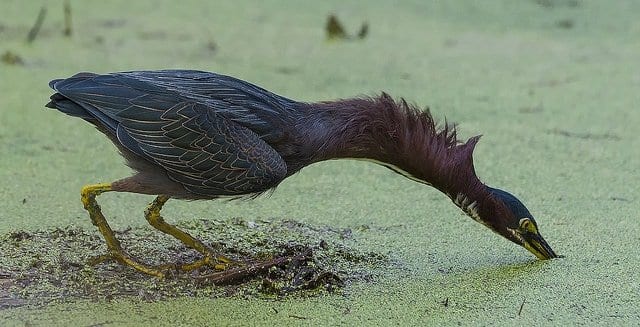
(552, 86)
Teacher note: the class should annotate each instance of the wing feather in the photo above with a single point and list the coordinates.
(206, 144)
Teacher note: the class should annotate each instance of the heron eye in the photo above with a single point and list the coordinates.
(526, 225)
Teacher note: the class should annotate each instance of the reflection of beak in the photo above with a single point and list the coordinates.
(538, 246)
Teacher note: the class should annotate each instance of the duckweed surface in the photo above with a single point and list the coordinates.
(552, 85)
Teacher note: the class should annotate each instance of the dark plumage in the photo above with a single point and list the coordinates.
(200, 135)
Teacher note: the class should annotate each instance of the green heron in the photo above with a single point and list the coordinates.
(200, 135)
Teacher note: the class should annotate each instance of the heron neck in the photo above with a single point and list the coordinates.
(396, 135)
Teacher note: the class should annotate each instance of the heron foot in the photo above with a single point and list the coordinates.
(161, 271)
(123, 258)
(152, 214)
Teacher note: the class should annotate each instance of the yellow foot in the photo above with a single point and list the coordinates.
(161, 271)
(215, 262)
(124, 259)
(152, 214)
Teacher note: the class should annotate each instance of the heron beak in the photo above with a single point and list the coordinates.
(538, 246)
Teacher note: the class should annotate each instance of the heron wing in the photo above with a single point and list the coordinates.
(199, 147)
(253, 107)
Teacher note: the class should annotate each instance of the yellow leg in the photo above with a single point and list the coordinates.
(152, 214)
(115, 251)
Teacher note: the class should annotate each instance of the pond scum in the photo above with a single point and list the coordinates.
(41, 267)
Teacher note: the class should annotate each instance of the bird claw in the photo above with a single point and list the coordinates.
(123, 258)
(217, 262)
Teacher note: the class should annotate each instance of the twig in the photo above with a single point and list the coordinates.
(334, 29)
(586, 136)
(521, 306)
(33, 32)
(364, 30)
(234, 275)
(67, 18)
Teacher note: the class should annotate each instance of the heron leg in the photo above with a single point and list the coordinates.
(152, 214)
(115, 251)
